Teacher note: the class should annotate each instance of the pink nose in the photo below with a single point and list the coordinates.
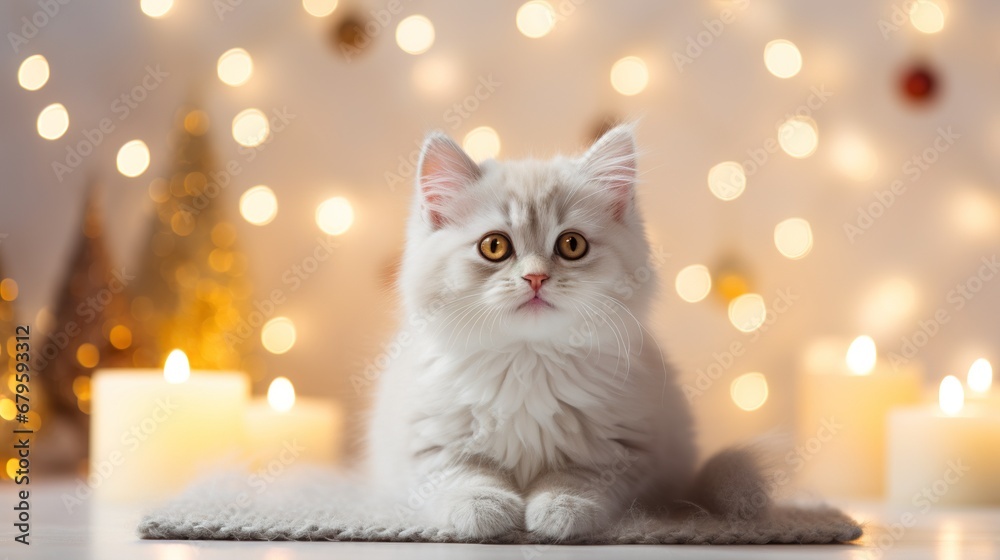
(536, 280)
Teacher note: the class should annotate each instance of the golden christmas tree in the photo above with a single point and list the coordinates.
(91, 329)
(192, 292)
(8, 365)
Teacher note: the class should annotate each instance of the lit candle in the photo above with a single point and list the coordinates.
(284, 429)
(980, 383)
(947, 453)
(152, 432)
(843, 401)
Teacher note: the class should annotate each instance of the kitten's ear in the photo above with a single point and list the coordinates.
(611, 163)
(443, 174)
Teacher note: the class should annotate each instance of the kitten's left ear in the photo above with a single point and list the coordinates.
(443, 174)
(611, 163)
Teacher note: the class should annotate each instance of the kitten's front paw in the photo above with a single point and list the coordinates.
(563, 516)
(483, 511)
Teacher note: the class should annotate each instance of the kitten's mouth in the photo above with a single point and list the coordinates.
(535, 303)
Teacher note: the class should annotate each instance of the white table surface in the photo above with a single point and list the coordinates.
(105, 531)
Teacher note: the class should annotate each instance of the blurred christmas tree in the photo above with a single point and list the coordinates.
(8, 365)
(91, 329)
(192, 291)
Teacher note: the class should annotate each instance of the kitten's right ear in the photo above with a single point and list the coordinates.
(443, 173)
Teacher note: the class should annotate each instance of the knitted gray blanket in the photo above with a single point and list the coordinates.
(316, 505)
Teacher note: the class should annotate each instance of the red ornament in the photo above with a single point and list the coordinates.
(920, 84)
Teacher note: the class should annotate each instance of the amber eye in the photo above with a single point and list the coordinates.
(571, 246)
(495, 247)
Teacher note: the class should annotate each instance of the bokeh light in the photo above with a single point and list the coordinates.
(8, 289)
(926, 16)
(888, 304)
(974, 212)
(749, 391)
(33, 72)
(250, 128)
(335, 215)
(155, 8)
(853, 156)
(319, 8)
(281, 394)
(793, 238)
(415, 34)
(747, 312)
(482, 143)
(53, 121)
(120, 337)
(536, 19)
(87, 355)
(862, 355)
(782, 58)
(133, 158)
(235, 67)
(436, 75)
(258, 205)
(177, 368)
(798, 137)
(951, 395)
(727, 180)
(629, 75)
(693, 283)
(278, 335)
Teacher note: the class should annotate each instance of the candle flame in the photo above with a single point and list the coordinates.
(281, 394)
(861, 355)
(951, 396)
(980, 376)
(177, 369)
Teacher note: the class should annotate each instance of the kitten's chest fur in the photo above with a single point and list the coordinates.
(532, 408)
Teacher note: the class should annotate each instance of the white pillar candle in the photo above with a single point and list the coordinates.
(947, 453)
(840, 443)
(153, 432)
(283, 429)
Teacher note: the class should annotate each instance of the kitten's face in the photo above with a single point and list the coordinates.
(524, 250)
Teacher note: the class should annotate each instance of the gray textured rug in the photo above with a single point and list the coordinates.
(313, 505)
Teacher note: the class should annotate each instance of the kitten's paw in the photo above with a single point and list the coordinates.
(563, 516)
(484, 511)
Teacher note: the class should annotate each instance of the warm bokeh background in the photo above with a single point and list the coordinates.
(885, 90)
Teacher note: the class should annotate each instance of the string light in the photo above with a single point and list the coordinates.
(482, 143)
(33, 72)
(926, 16)
(793, 238)
(782, 58)
(250, 128)
(798, 137)
(133, 158)
(335, 215)
(319, 8)
(258, 205)
(156, 8)
(415, 34)
(727, 180)
(749, 391)
(747, 312)
(278, 335)
(53, 122)
(629, 75)
(536, 19)
(693, 283)
(235, 67)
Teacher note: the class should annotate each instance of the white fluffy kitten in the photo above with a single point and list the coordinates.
(529, 395)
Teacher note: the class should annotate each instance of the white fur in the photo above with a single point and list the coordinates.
(496, 417)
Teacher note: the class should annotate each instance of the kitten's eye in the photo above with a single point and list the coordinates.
(571, 246)
(495, 247)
